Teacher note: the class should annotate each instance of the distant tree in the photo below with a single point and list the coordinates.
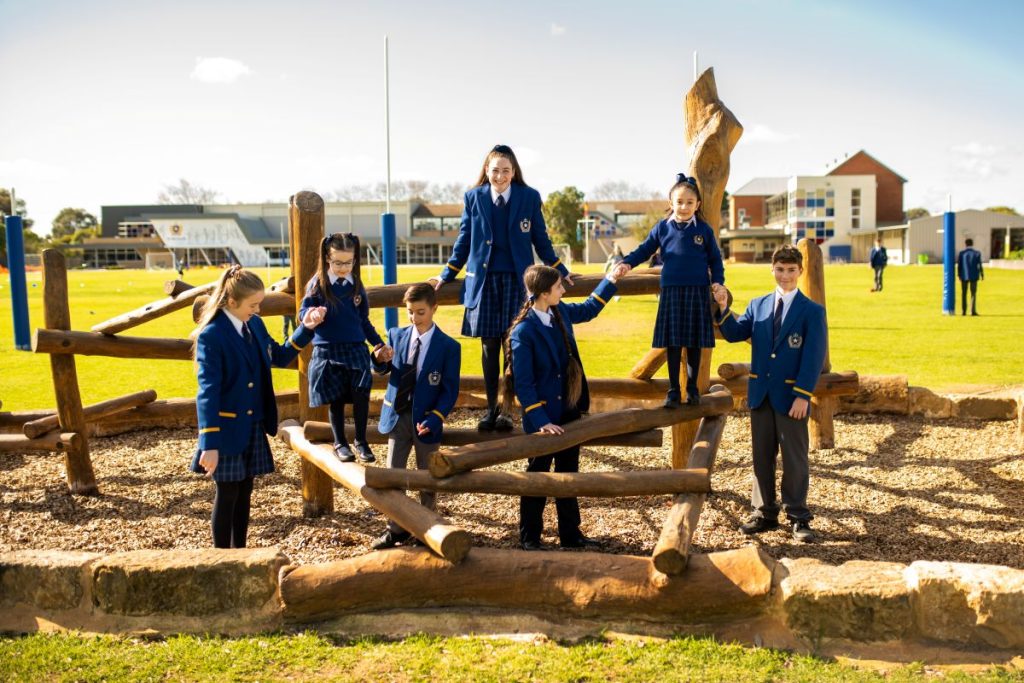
(611, 190)
(562, 210)
(448, 193)
(915, 213)
(642, 227)
(1009, 211)
(31, 239)
(186, 192)
(401, 190)
(69, 221)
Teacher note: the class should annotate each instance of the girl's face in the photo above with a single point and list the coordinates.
(684, 204)
(554, 295)
(340, 262)
(500, 173)
(245, 308)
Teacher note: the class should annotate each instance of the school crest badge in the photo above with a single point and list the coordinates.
(795, 341)
(434, 378)
(525, 225)
(698, 240)
(357, 299)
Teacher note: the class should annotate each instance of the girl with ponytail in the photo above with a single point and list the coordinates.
(339, 371)
(546, 377)
(236, 405)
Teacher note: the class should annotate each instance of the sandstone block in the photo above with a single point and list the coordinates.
(187, 582)
(47, 579)
(984, 408)
(968, 603)
(878, 394)
(856, 600)
(927, 403)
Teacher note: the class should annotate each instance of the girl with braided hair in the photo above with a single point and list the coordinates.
(546, 377)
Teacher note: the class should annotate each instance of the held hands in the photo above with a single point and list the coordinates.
(612, 275)
(383, 353)
(621, 270)
(208, 461)
(799, 409)
(551, 428)
(720, 295)
(314, 316)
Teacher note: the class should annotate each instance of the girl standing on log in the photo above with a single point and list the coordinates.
(236, 404)
(501, 226)
(692, 261)
(339, 371)
(546, 377)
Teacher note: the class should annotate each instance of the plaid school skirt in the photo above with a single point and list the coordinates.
(502, 296)
(337, 372)
(684, 318)
(255, 460)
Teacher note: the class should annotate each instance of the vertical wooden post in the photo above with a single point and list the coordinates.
(1020, 419)
(306, 229)
(812, 284)
(684, 433)
(57, 316)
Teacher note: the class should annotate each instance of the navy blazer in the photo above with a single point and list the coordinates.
(968, 265)
(536, 370)
(879, 257)
(225, 402)
(789, 367)
(437, 384)
(526, 232)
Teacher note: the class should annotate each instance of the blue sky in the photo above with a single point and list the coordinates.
(105, 102)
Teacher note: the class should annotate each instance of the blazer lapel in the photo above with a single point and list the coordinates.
(236, 340)
(514, 204)
(485, 206)
(402, 349)
(540, 331)
(433, 351)
(796, 309)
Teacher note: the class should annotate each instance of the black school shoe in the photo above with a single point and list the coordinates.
(344, 453)
(532, 546)
(757, 525)
(503, 423)
(488, 423)
(582, 542)
(802, 532)
(364, 452)
(692, 396)
(673, 399)
(390, 539)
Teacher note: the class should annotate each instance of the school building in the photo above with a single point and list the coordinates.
(922, 239)
(838, 210)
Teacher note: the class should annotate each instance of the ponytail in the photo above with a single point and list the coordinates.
(574, 371)
(508, 390)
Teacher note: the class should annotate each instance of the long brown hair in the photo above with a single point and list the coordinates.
(539, 280)
(235, 283)
(501, 151)
(321, 282)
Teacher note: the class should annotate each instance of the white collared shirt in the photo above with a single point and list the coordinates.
(236, 322)
(334, 278)
(687, 224)
(507, 194)
(544, 317)
(424, 345)
(787, 301)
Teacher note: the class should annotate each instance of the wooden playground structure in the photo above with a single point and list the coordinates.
(461, 464)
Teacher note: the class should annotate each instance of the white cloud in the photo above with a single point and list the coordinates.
(557, 30)
(218, 70)
(976, 160)
(762, 133)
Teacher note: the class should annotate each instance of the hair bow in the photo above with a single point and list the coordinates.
(681, 178)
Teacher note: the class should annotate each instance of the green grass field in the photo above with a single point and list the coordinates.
(314, 657)
(898, 331)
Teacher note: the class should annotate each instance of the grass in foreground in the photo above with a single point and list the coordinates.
(898, 331)
(311, 656)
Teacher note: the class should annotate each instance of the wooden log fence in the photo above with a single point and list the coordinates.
(37, 428)
(446, 540)
(153, 310)
(53, 441)
(175, 288)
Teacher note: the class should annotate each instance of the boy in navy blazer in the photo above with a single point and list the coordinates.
(788, 341)
(969, 270)
(422, 390)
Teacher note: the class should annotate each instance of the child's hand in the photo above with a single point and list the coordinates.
(622, 269)
(422, 428)
(314, 316)
(436, 283)
(612, 275)
(208, 461)
(551, 428)
(382, 354)
(721, 296)
(799, 409)
(568, 279)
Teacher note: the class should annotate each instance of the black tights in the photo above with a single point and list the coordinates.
(490, 356)
(360, 415)
(675, 357)
(230, 520)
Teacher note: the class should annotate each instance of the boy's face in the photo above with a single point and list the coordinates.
(421, 314)
(786, 275)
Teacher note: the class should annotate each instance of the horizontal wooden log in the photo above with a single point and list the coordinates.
(285, 284)
(449, 461)
(546, 484)
(720, 586)
(153, 311)
(53, 441)
(94, 412)
(733, 370)
(175, 288)
(460, 436)
(446, 540)
(672, 551)
(96, 344)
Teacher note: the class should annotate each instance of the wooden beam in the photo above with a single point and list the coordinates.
(673, 548)
(152, 311)
(733, 370)
(63, 342)
(175, 288)
(53, 441)
(285, 284)
(721, 586)
(546, 484)
(446, 540)
(811, 282)
(461, 436)
(649, 365)
(57, 316)
(449, 461)
(92, 413)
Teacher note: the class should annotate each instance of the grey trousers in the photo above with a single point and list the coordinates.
(771, 431)
(401, 441)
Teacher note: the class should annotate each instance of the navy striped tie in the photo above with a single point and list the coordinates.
(777, 323)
